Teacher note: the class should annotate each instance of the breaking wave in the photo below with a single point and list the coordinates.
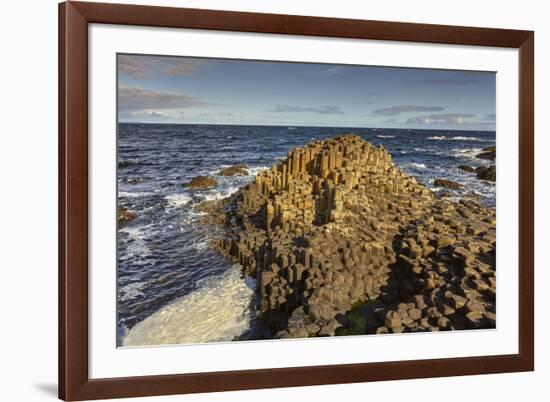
(177, 200)
(458, 138)
(131, 291)
(253, 171)
(218, 311)
(466, 152)
(220, 194)
(137, 194)
(417, 165)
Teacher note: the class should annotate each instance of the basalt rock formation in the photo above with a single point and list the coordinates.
(336, 226)
(451, 185)
(201, 182)
(488, 153)
(124, 215)
(235, 170)
(466, 168)
(488, 173)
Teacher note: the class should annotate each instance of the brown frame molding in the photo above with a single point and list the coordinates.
(74, 17)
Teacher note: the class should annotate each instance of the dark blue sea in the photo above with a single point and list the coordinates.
(172, 288)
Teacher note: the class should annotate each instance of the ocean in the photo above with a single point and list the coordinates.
(173, 288)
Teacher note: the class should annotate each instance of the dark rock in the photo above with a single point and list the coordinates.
(451, 185)
(201, 182)
(125, 164)
(469, 203)
(336, 226)
(488, 173)
(488, 153)
(236, 170)
(343, 320)
(466, 168)
(124, 215)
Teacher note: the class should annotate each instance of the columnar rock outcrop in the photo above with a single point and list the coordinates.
(336, 225)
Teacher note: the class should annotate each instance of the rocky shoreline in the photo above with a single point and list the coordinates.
(340, 242)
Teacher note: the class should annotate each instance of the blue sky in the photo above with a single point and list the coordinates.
(161, 89)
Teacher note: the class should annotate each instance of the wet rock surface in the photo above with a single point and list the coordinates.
(467, 168)
(201, 182)
(488, 153)
(451, 185)
(124, 215)
(340, 241)
(235, 170)
(134, 181)
(488, 173)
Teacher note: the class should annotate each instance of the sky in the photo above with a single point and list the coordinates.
(184, 90)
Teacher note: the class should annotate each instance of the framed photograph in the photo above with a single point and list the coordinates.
(260, 200)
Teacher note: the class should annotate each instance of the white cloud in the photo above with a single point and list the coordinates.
(325, 109)
(148, 113)
(450, 118)
(135, 99)
(397, 110)
(143, 66)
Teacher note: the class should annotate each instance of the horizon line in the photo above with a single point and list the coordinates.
(298, 125)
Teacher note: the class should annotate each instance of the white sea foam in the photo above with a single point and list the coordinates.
(218, 311)
(466, 152)
(137, 194)
(131, 291)
(200, 245)
(385, 136)
(417, 165)
(220, 194)
(457, 138)
(138, 246)
(187, 218)
(178, 200)
(253, 171)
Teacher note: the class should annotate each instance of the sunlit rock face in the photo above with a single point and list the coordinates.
(340, 241)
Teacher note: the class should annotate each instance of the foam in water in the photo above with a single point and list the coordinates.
(138, 194)
(177, 200)
(189, 217)
(457, 138)
(218, 311)
(466, 152)
(253, 171)
(221, 194)
(417, 165)
(131, 291)
(385, 136)
(138, 245)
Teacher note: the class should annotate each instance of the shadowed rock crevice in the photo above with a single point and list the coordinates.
(336, 235)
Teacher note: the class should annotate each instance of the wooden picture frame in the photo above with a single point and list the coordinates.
(74, 381)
